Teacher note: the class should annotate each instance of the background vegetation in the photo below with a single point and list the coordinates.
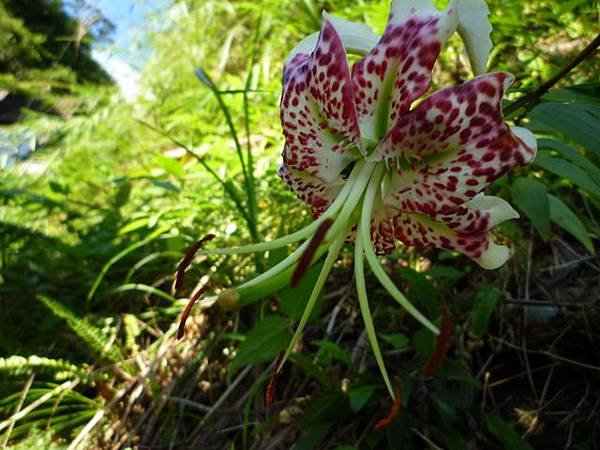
(93, 225)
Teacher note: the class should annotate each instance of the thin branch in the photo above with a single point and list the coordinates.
(539, 92)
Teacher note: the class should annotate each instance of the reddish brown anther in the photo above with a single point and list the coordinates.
(187, 259)
(188, 308)
(442, 345)
(272, 384)
(307, 256)
(394, 410)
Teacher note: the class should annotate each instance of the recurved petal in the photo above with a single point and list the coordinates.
(474, 29)
(356, 37)
(309, 189)
(398, 70)
(465, 230)
(452, 146)
(318, 114)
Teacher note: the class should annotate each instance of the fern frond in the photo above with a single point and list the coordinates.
(17, 366)
(91, 335)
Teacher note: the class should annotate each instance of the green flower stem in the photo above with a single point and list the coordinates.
(332, 255)
(363, 301)
(349, 189)
(364, 172)
(250, 293)
(386, 282)
(279, 276)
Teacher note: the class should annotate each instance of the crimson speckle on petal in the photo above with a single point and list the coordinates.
(439, 156)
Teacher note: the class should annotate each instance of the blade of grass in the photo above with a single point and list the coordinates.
(119, 256)
(227, 187)
(205, 79)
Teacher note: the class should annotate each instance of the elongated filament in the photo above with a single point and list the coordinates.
(304, 232)
(357, 197)
(363, 301)
(384, 279)
(332, 255)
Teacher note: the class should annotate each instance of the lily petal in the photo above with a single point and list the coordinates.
(452, 146)
(356, 37)
(465, 230)
(309, 189)
(474, 29)
(398, 70)
(318, 115)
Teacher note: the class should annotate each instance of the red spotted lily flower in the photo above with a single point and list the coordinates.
(378, 164)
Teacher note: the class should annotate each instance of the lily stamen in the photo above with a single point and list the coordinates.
(188, 309)
(307, 257)
(187, 260)
(365, 160)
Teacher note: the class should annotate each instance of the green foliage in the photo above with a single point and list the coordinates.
(263, 342)
(485, 303)
(18, 366)
(531, 198)
(89, 334)
(45, 58)
(505, 433)
(127, 188)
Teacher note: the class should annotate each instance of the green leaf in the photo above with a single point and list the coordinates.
(421, 288)
(359, 396)
(451, 273)
(397, 340)
(335, 351)
(572, 95)
(89, 334)
(565, 218)
(452, 438)
(485, 304)
(567, 170)
(572, 155)
(170, 165)
(531, 198)
(453, 370)
(293, 300)
(123, 194)
(167, 185)
(307, 364)
(263, 342)
(574, 121)
(424, 342)
(506, 434)
(58, 188)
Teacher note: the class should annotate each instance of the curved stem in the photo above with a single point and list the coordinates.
(282, 265)
(363, 301)
(384, 279)
(539, 92)
(341, 224)
(348, 190)
(332, 255)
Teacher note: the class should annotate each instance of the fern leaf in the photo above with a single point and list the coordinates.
(91, 335)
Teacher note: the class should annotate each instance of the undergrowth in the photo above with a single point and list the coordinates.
(90, 244)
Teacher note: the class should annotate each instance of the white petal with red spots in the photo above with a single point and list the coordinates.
(465, 230)
(398, 70)
(317, 110)
(452, 146)
(309, 189)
